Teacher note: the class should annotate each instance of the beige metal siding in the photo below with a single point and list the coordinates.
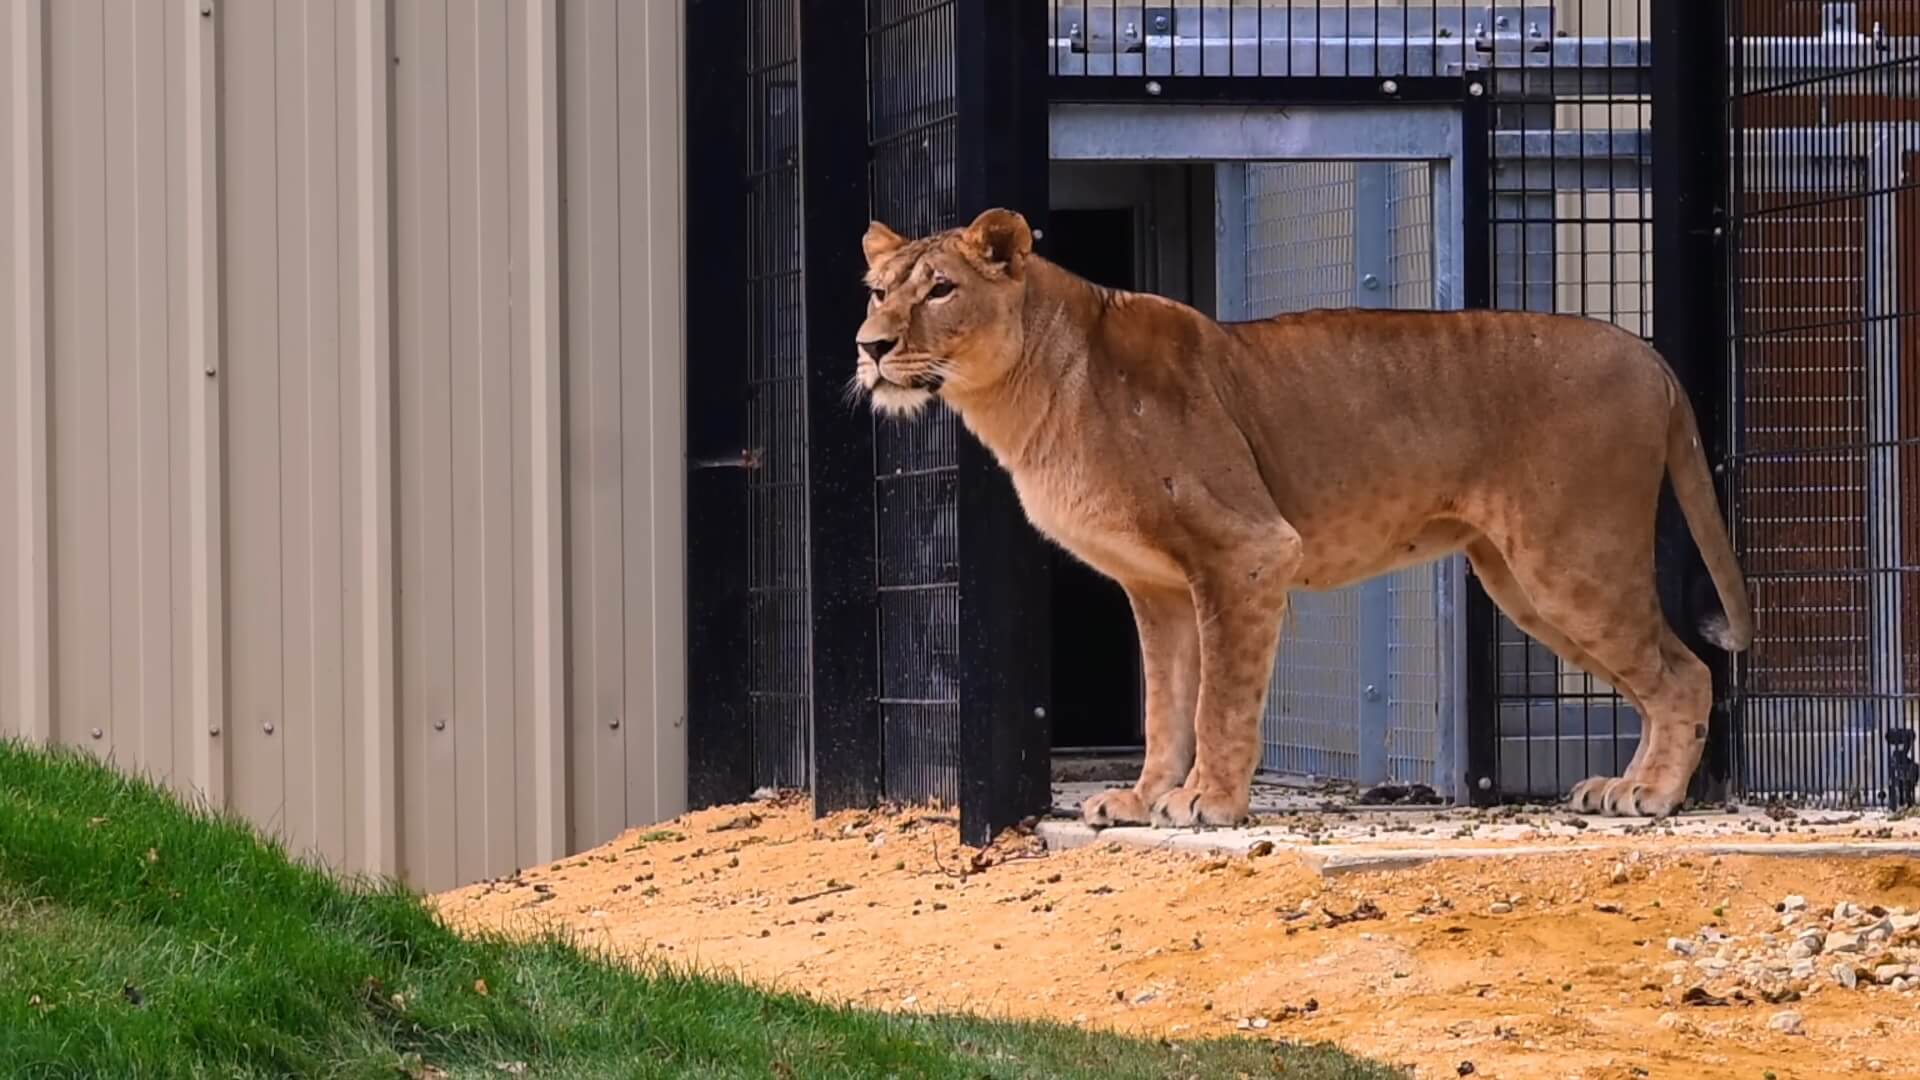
(342, 372)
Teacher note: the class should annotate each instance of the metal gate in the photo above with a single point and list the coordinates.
(1365, 685)
(1825, 273)
(1556, 99)
(1330, 205)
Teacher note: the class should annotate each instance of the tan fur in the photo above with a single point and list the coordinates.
(1213, 468)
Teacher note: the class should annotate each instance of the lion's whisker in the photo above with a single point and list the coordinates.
(850, 393)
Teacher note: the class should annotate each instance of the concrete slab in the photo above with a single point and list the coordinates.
(1355, 860)
(1324, 826)
(1335, 859)
(1269, 796)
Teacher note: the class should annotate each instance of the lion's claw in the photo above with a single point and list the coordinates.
(1621, 796)
(1121, 806)
(1184, 807)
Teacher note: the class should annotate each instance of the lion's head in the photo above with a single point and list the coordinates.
(943, 311)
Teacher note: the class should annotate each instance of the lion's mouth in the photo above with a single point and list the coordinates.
(928, 378)
(898, 393)
(926, 384)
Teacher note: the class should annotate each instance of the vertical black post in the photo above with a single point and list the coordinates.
(719, 723)
(1005, 622)
(1690, 328)
(840, 499)
(1483, 619)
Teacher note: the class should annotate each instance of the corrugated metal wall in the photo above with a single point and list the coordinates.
(342, 373)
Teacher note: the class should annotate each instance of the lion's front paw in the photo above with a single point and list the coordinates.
(1189, 806)
(1620, 796)
(1121, 806)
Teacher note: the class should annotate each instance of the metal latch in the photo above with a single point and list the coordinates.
(749, 458)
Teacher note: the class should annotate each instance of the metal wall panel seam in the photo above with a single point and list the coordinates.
(600, 327)
(373, 251)
(548, 630)
(149, 477)
(669, 513)
(30, 349)
(206, 529)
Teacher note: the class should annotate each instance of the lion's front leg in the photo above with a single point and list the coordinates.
(1170, 655)
(1240, 609)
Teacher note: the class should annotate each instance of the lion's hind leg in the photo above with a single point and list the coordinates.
(1497, 580)
(1606, 619)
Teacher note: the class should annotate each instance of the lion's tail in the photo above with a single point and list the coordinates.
(1731, 628)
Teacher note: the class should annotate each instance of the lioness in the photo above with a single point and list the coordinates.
(1211, 468)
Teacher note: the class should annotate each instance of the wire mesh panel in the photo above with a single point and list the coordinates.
(1572, 233)
(1416, 684)
(1410, 234)
(1299, 236)
(776, 395)
(911, 128)
(1826, 290)
(1299, 254)
(1358, 689)
(1420, 629)
(1312, 722)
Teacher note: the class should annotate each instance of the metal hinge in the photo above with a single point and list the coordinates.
(1506, 29)
(749, 458)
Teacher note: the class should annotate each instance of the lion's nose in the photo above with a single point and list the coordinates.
(877, 349)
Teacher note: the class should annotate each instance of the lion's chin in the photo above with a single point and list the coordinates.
(904, 402)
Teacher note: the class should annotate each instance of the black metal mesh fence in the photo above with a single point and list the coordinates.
(1572, 232)
(1825, 275)
(776, 400)
(911, 125)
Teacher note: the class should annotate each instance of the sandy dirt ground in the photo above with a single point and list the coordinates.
(1628, 959)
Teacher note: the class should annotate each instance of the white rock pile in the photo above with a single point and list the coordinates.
(1848, 946)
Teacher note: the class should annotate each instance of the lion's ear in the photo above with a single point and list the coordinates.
(1004, 236)
(880, 241)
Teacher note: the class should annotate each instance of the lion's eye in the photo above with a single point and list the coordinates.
(940, 289)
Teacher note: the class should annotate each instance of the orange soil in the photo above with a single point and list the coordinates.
(887, 911)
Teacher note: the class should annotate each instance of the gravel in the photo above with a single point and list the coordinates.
(1872, 949)
(1788, 1023)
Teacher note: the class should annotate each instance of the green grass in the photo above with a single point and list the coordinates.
(140, 940)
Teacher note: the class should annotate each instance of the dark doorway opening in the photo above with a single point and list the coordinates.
(1097, 700)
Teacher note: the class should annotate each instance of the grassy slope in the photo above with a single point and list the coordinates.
(137, 939)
